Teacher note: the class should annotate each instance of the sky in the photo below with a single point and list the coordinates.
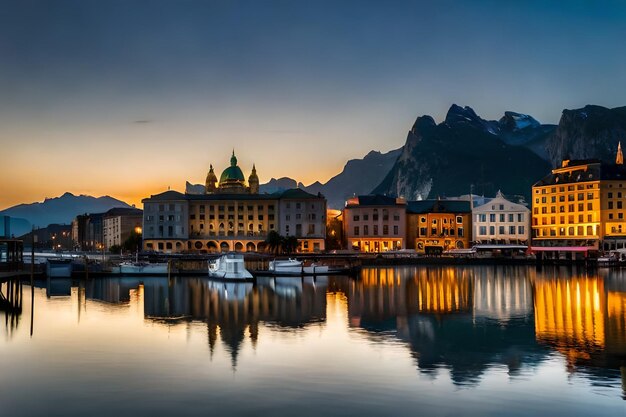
(127, 98)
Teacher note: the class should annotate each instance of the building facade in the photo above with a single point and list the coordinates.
(119, 223)
(375, 223)
(578, 208)
(231, 216)
(436, 226)
(501, 221)
(87, 232)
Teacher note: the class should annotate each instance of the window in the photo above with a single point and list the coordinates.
(375, 230)
(610, 205)
(619, 204)
(385, 230)
(366, 230)
(511, 218)
(520, 230)
(482, 230)
(459, 220)
(298, 206)
(502, 216)
(366, 217)
(460, 230)
(501, 230)
(492, 217)
(311, 229)
(520, 217)
(395, 230)
(511, 230)
(492, 230)
(610, 195)
(355, 218)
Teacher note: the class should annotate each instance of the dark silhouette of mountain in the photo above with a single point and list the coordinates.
(61, 210)
(277, 185)
(590, 132)
(466, 151)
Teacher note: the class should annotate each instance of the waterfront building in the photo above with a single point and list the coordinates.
(579, 208)
(303, 215)
(119, 223)
(435, 226)
(375, 223)
(87, 232)
(501, 222)
(231, 216)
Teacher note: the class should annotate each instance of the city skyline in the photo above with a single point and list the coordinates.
(130, 99)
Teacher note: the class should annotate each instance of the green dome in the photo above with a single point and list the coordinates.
(232, 173)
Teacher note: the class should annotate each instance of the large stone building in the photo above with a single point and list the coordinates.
(500, 221)
(231, 216)
(375, 223)
(119, 223)
(435, 226)
(579, 208)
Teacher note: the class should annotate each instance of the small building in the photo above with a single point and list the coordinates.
(87, 232)
(501, 221)
(119, 224)
(375, 223)
(436, 226)
(303, 215)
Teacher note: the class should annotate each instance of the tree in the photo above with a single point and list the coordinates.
(290, 244)
(274, 242)
(133, 243)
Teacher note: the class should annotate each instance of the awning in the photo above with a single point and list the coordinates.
(562, 248)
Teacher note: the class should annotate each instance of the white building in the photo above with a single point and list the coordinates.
(118, 224)
(303, 215)
(501, 221)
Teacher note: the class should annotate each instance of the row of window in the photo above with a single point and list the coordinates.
(231, 226)
(356, 217)
(459, 220)
(366, 230)
(230, 217)
(562, 188)
(570, 219)
(502, 230)
(570, 197)
(502, 217)
(423, 232)
(221, 208)
(566, 209)
(569, 231)
(162, 218)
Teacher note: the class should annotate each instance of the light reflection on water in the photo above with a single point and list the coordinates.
(438, 341)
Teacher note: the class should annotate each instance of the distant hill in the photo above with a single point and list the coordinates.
(60, 210)
(276, 185)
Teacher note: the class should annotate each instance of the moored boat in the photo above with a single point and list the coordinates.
(143, 268)
(229, 266)
(295, 267)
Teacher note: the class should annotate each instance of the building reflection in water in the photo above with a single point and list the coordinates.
(468, 319)
(231, 310)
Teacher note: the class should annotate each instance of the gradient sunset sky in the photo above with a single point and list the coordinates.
(126, 98)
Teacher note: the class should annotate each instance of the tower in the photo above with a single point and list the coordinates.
(619, 158)
(253, 181)
(211, 181)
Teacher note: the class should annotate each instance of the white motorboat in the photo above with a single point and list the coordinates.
(143, 268)
(229, 266)
(295, 267)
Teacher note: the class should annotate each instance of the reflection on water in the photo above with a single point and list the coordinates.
(468, 326)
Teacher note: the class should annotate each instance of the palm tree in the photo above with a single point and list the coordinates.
(273, 241)
(290, 244)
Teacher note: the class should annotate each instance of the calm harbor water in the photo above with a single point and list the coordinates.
(432, 341)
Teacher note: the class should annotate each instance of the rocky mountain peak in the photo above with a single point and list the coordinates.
(512, 121)
(458, 116)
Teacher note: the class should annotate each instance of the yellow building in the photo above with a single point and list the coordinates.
(435, 226)
(579, 208)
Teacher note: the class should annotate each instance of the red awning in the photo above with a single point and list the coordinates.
(561, 248)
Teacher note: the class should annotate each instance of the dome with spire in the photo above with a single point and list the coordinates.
(211, 181)
(233, 173)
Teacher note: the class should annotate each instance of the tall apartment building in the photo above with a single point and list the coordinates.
(375, 223)
(579, 208)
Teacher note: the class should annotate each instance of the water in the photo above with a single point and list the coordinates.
(433, 341)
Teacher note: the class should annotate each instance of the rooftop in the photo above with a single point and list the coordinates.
(438, 206)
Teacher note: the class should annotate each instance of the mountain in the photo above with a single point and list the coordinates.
(60, 210)
(467, 151)
(357, 177)
(590, 132)
(276, 185)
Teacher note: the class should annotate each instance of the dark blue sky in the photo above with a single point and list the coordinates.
(318, 81)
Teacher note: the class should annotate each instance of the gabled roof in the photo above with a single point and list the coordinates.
(438, 206)
(123, 211)
(165, 196)
(298, 194)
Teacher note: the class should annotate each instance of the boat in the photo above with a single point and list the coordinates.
(143, 268)
(229, 266)
(295, 267)
(59, 268)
